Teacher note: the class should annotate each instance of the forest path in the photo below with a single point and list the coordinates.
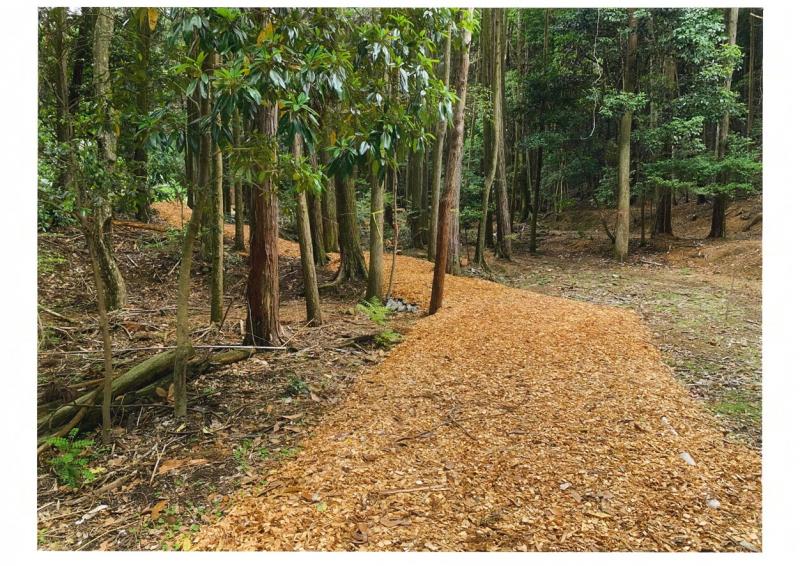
(509, 420)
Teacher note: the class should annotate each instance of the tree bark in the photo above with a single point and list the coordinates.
(375, 277)
(537, 189)
(436, 184)
(217, 227)
(351, 261)
(330, 225)
(415, 189)
(503, 247)
(315, 218)
(624, 196)
(447, 210)
(492, 165)
(721, 199)
(313, 310)
(263, 289)
(142, 108)
(101, 229)
(238, 197)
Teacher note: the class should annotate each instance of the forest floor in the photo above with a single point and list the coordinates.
(700, 298)
(511, 420)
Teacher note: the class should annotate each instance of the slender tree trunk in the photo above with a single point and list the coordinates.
(313, 310)
(721, 199)
(447, 210)
(238, 199)
(453, 263)
(101, 232)
(217, 227)
(183, 343)
(330, 225)
(188, 153)
(537, 189)
(315, 219)
(142, 108)
(436, 184)
(395, 233)
(750, 74)
(263, 284)
(624, 195)
(424, 216)
(492, 167)
(375, 279)
(503, 247)
(64, 129)
(415, 189)
(351, 261)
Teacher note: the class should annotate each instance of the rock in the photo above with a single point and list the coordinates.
(714, 503)
(686, 457)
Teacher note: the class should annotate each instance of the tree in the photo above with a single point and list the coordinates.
(263, 327)
(492, 166)
(441, 131)
(217, 222)
(721, 199)
(624, 191)
(98, 229)
(453, 172)
(313, 310)
(145, 21)
(238, 207)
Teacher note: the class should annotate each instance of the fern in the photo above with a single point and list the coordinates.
(71, 465)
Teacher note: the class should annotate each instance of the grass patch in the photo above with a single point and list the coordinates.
(47, 263)
(735, 404)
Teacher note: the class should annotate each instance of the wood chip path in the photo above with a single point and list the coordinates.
(508, 421)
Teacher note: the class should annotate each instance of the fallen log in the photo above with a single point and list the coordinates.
(140, 380)
(136, 377)
(756, 219)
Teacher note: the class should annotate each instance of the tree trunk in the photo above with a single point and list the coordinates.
(315, 219)
(313, 311)
(415, 189)
(183, 342)
(238, 198)
(447, 209)
(721, 199)
(537, 189)
(375, 279)
(663, 221)
(492, 165)
(624, 195)
(217, 227)
(351, 260)
(750, 74)
(263, 285)
(330, 225)
(436, 184)
(503, 246)
(64, 129)
(142, 109)
(101, 232)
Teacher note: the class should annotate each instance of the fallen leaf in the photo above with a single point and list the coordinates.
(155, 510)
